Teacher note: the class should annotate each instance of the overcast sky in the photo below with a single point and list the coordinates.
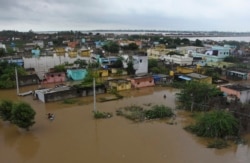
(55, 15)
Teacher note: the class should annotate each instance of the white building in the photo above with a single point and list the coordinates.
(177, 59)
(2, 46)
(140, 64)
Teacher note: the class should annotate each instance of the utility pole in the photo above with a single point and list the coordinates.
(94, 95)
(17, 84)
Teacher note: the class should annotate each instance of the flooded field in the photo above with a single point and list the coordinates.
(75, 136)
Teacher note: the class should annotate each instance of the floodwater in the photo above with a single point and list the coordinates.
(75, 136)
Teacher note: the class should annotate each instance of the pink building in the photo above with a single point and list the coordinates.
(54, 77)
(236, 92)
(142, 81)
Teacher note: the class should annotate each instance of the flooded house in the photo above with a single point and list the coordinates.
(31, 79)
(236, 92)
(194, 77)
(54, 94)
(119, 84)
(161, 79)
(76, 74)
(54, 77)
(62, 92)
(142, 81)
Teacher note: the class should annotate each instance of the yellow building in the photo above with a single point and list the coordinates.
(184, 70)
(119, 84)
(84, 53)
(102, 73)
(60, 51)
(158, 51)
(200, 78)
(73, 54)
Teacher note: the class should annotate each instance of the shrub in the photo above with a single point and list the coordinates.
(99, 115)
(159, 111)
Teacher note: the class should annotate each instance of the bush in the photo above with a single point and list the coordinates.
(159, 111)
(215, 124)
(137, 113)
(99, 115)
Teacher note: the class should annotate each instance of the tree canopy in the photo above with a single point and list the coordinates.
(23, 115)
(197, 96)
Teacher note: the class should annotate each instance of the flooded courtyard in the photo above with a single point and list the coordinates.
(75, 136)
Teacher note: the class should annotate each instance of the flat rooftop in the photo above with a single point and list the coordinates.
(237, 87)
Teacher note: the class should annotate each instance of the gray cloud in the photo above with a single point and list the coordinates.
(229, 15)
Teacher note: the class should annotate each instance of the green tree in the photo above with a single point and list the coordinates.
(2, 52)
(198, 43)
(197, 96)
(23, 115)
(60, 68)
(111, 47)
(130, 68)
(7, 74)
(217, 124)
(5, 110)
(133, 46)
(152, 63)
(81, 63)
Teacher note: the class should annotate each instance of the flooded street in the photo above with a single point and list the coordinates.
(75, 136)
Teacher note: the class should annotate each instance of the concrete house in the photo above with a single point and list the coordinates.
(237, 74)
(236, 92)
(213, 54)
(177, 59)
(119, 84)
(142, 81)
(54, 77)
(76, 74)
(140, 63)
(194, 77)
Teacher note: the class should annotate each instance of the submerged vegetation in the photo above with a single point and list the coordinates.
(102, 115)
(218, 144)
(138, 113)
(215, 124)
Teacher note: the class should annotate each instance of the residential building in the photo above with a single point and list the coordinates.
(142, 81)
(119, 84)
(54, 77)
(177, 59)
(236, 92)
(140, 63)
(76, 74)
(214, 54)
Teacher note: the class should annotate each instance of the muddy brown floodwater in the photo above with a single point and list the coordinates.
(76, 137)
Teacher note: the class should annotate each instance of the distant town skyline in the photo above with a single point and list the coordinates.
(179, 15)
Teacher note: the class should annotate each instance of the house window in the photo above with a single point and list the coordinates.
(138, 83)
(52, 76)
(59, 74)
(150, 81)
(140, 60)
